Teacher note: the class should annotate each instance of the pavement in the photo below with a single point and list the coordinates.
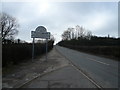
(103, 71)
(18, 75)
(67, 77)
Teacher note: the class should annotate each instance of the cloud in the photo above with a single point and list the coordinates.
(100, 18)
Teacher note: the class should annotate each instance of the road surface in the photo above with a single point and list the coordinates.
(102, 70)
(66, 76)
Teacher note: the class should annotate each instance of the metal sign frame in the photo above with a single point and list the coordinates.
(35, 34)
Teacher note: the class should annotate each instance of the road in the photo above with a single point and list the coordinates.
(62, 74)
(102, 70)
(68, 68)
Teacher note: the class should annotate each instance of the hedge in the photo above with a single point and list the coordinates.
(16, 53)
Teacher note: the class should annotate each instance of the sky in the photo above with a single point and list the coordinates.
(101, 18)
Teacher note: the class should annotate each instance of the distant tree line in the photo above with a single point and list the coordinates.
(82, 37)
(76, 33)
(93, 41)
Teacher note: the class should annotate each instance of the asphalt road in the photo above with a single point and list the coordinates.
(102, 70)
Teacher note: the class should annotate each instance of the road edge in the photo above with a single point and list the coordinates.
(81, 71)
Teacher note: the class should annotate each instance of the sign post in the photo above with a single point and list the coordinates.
(40, 32)
(33, 49)
(46, 47)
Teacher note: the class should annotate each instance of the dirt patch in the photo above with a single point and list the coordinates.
(28, 70)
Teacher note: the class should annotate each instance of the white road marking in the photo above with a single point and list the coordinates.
(86, 76)
(98, 61)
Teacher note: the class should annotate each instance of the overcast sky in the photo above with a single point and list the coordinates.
(99, 17)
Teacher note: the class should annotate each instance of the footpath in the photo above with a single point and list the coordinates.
(56, 72)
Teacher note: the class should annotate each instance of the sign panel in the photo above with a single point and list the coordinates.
(45, 35)
(41, 29)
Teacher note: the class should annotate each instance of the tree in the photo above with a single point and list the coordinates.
(88, 35)
(71, 33)
(66, 35)
(8, 26)
(80, 32)
(76, 33)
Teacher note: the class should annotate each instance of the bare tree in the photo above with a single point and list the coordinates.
(76, 33)
(80, 31)
(8, 26)
(66, 35)
(88, 34)
(71, 33)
